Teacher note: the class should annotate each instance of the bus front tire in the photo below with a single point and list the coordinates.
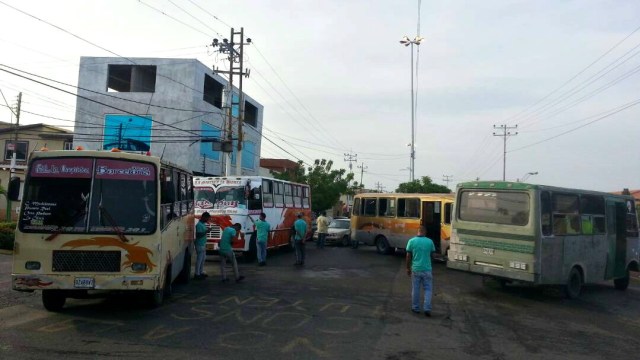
(155, 298)
(623, 282)
(574, 284)
(382, 246)
(53, 300)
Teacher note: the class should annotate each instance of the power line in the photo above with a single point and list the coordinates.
(6, 102)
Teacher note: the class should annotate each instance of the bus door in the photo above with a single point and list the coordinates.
(617, 239)
(431, 211)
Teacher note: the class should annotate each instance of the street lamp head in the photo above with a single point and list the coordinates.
(418, 40)
(405, 41)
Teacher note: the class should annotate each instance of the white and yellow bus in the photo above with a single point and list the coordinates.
(99, 220)
(388, 221)
(544, 235)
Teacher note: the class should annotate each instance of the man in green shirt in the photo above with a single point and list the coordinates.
(418, 257)
(200, 244)
(262, 236)
(226, 252)
(300, 228)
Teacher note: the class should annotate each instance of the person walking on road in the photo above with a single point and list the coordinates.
(418, 257)
(226, 252)
(323, 229)
(200, 244)
(300, 228)
(262, 230)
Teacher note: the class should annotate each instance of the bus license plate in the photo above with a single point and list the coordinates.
(84, 283)
(487, 251)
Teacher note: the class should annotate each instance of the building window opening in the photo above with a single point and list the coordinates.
(250, 114)
(132, 78)
(212, 92)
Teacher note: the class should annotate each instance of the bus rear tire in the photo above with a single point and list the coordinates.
(53, 300)
(574, 284)
(185, 273)
(623, 282)
(382, 246)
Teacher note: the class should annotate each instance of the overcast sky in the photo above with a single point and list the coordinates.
(333, 78)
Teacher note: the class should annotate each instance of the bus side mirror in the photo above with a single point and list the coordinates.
(13, 193)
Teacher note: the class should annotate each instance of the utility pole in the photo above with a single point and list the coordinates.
(379, 187)
(235, 51)
(362, 168)
(350, 158)
(447, 179)
(505, 133)
(13, 156)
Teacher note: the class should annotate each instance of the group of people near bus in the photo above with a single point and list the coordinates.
(418, 257)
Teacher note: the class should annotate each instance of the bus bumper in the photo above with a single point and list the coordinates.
(31, 282)
(491, 271)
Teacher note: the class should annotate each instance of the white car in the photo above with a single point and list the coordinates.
(339, 232)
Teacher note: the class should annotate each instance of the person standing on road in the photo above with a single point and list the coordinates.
(323, 229)
(226, 252)
(300, 228)
(262, 230)
(200, 244)
(418, 257)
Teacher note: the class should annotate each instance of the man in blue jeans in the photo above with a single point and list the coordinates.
(300, 228)
(419, 251)
(200, 244)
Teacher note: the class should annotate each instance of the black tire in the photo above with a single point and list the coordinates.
(354, 243)
(252, 254)
(185, 273)
(623, 282)
(53, 300)
(155, 298)
(574, 284)
(382, 246)
(346, 241)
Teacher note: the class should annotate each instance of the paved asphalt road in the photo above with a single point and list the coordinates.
(345, 304)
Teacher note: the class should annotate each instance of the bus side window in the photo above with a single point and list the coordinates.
(370, 207)
(383, 207)
(267, 193)
(447, 213)
(255, 198)
(305, 197)
(356, 207)
(545, 213)
(587, 225)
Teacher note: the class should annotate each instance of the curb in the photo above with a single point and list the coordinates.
(6, 252)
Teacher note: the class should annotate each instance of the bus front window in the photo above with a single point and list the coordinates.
(230, 197)
(123, 198)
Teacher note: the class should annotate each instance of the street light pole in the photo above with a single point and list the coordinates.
(406, 42)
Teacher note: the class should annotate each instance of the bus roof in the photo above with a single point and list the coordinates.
(103, 154)
(510, 185)
(247, 177)
(420, 195)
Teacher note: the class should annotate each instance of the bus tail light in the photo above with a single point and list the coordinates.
(461, 257)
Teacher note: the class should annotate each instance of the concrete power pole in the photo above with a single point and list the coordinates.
(13, 156)
(236, 55)
(505, 133)
(362, 168)
(447, 179)
(350, 158)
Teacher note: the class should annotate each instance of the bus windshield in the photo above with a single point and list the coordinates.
(66, 195)
(227, 196)
(495, 207)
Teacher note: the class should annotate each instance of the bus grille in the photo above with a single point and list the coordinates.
(91, 261)
(215, 232)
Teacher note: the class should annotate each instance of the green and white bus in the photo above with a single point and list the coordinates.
(544, 235)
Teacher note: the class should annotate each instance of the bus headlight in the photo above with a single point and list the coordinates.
(461, 257)
(138, 267)
(518, 265)
(32, 265)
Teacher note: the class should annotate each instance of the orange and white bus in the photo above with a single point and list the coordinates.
(99, 220)
(388, 221)
(241, 199)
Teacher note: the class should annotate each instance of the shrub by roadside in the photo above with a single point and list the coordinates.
(7, 235)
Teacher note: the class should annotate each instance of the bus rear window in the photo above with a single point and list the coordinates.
(494, 207)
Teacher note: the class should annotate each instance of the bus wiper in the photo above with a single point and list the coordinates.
(113, 224)
(72, 221)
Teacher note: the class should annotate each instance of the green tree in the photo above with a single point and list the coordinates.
(424, 186)
(326, 183)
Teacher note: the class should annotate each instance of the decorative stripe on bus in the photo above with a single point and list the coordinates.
(520, 248)
(496, 235)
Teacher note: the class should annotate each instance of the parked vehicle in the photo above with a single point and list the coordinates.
(339, 232)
